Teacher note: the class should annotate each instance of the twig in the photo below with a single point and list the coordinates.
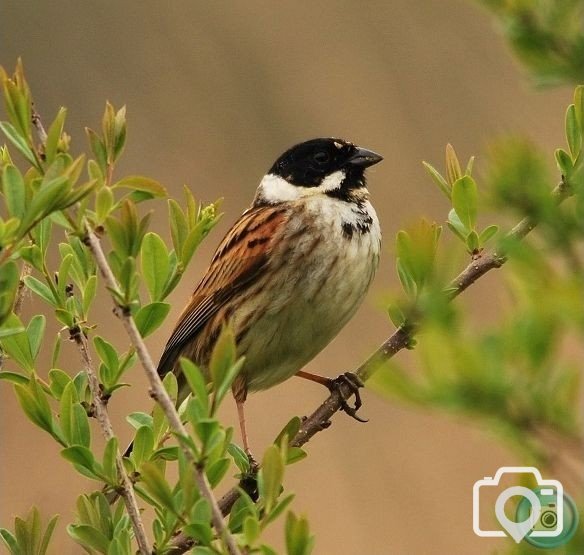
(159, 393)
(102, 417)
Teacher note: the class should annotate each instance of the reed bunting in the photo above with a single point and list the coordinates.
(289, 274)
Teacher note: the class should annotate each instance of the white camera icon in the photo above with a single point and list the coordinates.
(544, 521)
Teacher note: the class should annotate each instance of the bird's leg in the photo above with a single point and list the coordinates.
(241, 416)
(348, 378)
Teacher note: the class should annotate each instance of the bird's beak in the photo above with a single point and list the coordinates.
(364, 158)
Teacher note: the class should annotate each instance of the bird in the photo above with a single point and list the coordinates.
(289, 274)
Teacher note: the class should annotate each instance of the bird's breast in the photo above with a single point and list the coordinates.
(318, 274)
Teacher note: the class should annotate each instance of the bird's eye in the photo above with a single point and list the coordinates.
(322, 157)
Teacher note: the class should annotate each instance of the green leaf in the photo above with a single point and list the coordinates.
(279, 508)
(239, 457)
(109, 460)
(35, 331)
(44, 546)
(225, 386)
(104, 202)
(14, 377)
(298, 538)
(98, 149)
(166, 453)
(48, 199)
(157, 485)
(80, 431)
(488, 233)
(416, 251)
(193, 240)
(251, 530)
(563, 161)
(271, 473)
(472, 242)
(63, 276)
(465, 201)
(241, 508)
(88, 536)
(40, 289)
(54, 135)
(469, 166)
(171, 385)
(89, 293)
(9, 280)
(217, 470)
(82, 457)
(14, 192)
(406, 279)
(143, 445)
(201, 532)
(139, 419)
(141, 183)
(17, 345)
(7, 332)
(295, 454)
(33, 255)
(396, 315)
(573, 133)
(10, 541)
(289, 430)
(106, 352)
(68, 398)
(155, 265)
(456, 226)
(453, 171)
(58, 382)
(438, 179)
(34, 406)
(197, 382)
(178, 225)
(222, 357)
(149, 318)
(18, 141)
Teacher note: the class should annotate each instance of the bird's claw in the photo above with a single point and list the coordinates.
(354, 383)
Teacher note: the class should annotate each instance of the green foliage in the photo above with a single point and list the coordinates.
(546, 35)
(462, 191)
(99, 528)
(28, 537)
(512, 377)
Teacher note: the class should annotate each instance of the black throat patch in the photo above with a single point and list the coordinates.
(361, 225)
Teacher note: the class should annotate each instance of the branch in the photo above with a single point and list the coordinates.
(127, 488)
(159, 393)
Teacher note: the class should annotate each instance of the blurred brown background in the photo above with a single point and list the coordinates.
(215, 91)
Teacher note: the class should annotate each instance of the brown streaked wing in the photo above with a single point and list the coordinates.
(238, 261)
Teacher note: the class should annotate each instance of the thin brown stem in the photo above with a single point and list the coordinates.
(159, 393)
(102, 417)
